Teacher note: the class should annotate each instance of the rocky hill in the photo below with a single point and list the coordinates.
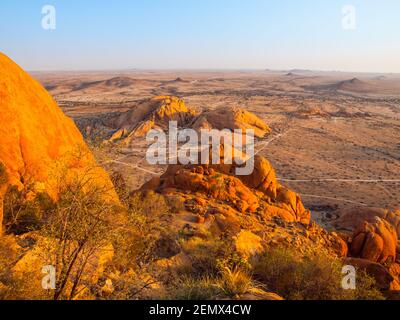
(253, 209)
(199, 227)
(231, 118)
(153, 114)
(157, 112)
(37, 141)
(257, 214)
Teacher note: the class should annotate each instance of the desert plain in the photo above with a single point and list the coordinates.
(334, 136)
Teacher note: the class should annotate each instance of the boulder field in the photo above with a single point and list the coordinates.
(256, 211)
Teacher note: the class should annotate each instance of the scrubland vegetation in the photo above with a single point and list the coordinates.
(107, 251)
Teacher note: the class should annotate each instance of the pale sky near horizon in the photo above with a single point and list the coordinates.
(202, 34)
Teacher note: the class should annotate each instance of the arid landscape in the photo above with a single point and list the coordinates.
(85, 216)
(334, 135)
(200, 159)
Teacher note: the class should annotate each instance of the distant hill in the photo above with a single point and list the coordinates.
(350, 85)
(116, 82)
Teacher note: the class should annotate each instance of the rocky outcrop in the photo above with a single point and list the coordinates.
(153, 114)
(372, 237)
(231, 118)
(158, 112)
(351, 219)
(38, 142)
(263, 177)
(376, 241)
(257, 192)
(383, 277)
(256, 212)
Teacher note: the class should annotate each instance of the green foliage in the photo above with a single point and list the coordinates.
(314, 276)
(211, 256)
(148, 218)
(227, 284)
(188, 288)
(144, 237)
(22, 214)
(234, 282)
(78, 229)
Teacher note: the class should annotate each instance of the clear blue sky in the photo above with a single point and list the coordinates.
(199, 34)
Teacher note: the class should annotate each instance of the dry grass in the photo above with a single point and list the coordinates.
(314, 276)
(235, 282)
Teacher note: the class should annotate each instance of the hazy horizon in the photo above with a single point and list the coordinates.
(206, 35)
(211, 70)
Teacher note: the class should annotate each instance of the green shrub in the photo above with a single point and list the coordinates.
(78, 229)
(148, 220)
(313, 276)
(212, 255)
(228, 284)
(235, 282)
(188, 288)
(22, 214)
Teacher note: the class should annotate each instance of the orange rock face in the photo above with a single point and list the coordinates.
(376, 241)
(256, 212)
(259, 191)
(383, 277)
(35, 134)
(152, 114)
(351, 219)
(231, 118)
(263, 177)
(220, 187)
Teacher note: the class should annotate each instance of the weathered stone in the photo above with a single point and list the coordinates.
(376, 241)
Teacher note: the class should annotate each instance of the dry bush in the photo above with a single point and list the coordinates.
(17, 286)
(188, 288)
(22, 214)
(3, 188)
(212, 255)
(216, 271)
(315, 276)
(128, 285)
(7, 258)
(176, 204)
(143, 239)
(235, 282)
(77, 230)
(149, 216)
(228, 284)
(120, 186)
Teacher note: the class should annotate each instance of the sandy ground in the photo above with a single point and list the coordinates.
(335, 136)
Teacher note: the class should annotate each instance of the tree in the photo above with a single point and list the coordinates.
(77, 230)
